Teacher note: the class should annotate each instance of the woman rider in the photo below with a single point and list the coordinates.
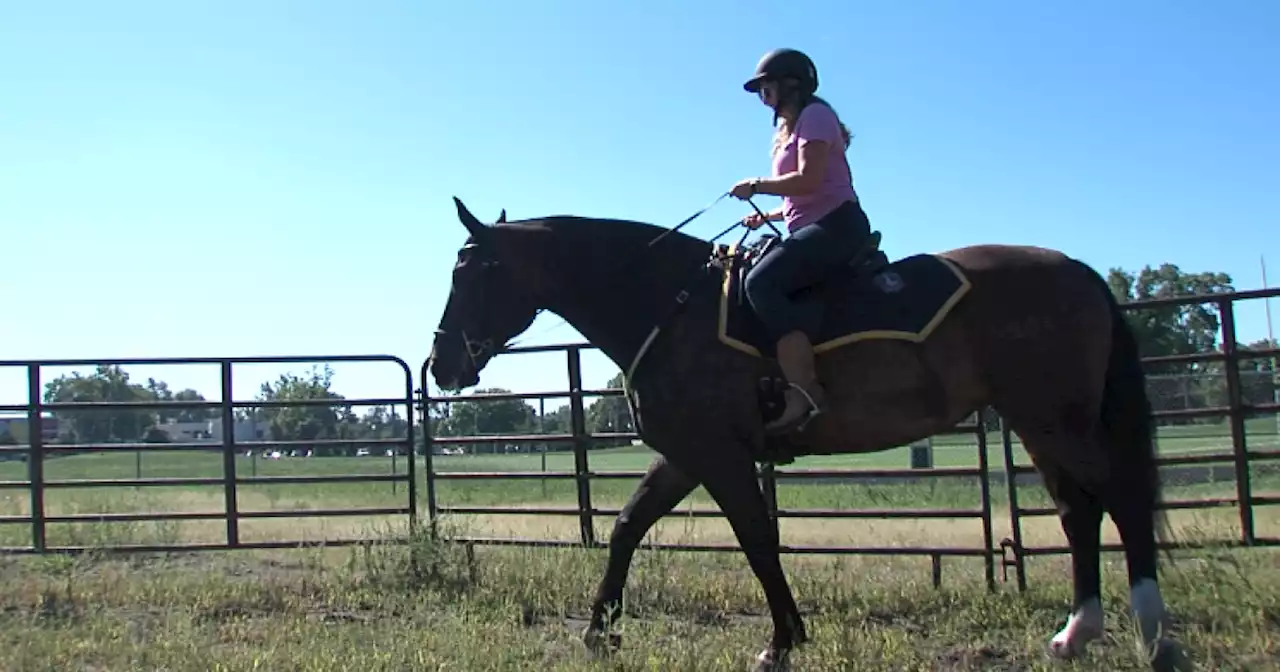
(822, 214)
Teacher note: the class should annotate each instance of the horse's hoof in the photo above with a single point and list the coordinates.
(773, 660)
(1169, 656)
(1073, 639)
(1064, 648)
(599, 642)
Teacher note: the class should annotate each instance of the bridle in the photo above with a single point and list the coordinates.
(477, 349)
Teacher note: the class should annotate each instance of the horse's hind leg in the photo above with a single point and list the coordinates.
(661, 488)
(1132, 501)
(1082, 494)
(1080, 513)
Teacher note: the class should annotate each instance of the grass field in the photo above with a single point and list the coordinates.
(426, 606)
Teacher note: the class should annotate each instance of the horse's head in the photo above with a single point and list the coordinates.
(488, 306)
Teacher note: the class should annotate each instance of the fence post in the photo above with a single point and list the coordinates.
(411, 444)
(229, 457)
(1235, 406)
(428, 451)
(35, 457)
(1015, 518)
(578, 421)
(922, 453)
(984, 483)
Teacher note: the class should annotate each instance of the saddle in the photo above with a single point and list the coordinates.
(867, 260)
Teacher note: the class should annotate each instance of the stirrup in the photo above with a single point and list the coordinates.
(798, 424)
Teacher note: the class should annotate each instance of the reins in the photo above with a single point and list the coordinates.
(663, 235)
(682, 297)
(710, 205)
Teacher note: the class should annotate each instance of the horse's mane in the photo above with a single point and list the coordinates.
(611, 238)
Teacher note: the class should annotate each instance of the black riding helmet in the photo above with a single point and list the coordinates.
(783, 64)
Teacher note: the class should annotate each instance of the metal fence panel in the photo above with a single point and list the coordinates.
(37, 450)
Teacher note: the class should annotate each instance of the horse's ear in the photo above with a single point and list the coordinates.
(469, 220)
(502, 216)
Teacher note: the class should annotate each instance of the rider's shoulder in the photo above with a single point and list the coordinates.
(817, 110)
(817, 121)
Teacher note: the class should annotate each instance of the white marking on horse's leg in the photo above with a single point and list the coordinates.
(1082, 627)
(599, 642)
(1148, 610)
(771, 660)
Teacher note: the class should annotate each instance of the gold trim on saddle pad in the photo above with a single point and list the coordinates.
(869, 335)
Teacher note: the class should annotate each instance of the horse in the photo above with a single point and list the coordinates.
(907, 349)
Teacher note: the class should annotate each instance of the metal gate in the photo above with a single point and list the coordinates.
(38, 449)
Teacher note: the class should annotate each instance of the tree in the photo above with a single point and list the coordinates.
(479, 418)
(305, 422)
(159, 391)
(1171, 330)
(381, 422)
(1195, 328)
(557, 421)
(610, 414)
(106, 383)
(192, 414)
(1258, 376)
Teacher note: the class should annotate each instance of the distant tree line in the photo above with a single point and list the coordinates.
(604, 415)
(277, 423)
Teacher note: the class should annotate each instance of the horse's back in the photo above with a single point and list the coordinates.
(992, 256)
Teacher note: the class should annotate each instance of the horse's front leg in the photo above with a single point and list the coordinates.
(732, 483)
(659, 491)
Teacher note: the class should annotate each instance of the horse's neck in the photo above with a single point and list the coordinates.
(616, 298)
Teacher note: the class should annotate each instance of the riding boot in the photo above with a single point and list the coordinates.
(804, 396)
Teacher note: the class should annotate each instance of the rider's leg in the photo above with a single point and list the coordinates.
(804, 396)
(798, 261)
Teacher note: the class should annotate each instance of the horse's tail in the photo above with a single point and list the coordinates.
(1127, 415)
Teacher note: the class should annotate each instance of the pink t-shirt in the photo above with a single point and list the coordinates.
(816, 122)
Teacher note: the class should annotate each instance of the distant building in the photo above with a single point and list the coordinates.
(206, 431)
(16, 427)
(210, 431)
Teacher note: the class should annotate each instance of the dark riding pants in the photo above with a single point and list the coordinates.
(802, 259)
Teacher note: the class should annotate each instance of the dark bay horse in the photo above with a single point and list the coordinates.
(924, 343)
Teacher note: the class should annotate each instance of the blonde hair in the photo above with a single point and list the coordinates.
(784, 129)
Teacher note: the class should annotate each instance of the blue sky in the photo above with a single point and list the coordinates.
(246, 178)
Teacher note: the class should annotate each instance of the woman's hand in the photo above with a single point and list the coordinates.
(744, 189)
(753, 221)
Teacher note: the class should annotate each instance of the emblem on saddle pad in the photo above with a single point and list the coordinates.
(888, 282)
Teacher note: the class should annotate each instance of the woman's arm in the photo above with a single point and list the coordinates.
(805, 179)
(817, 131)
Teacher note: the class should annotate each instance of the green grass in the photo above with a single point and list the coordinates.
(427, 606)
